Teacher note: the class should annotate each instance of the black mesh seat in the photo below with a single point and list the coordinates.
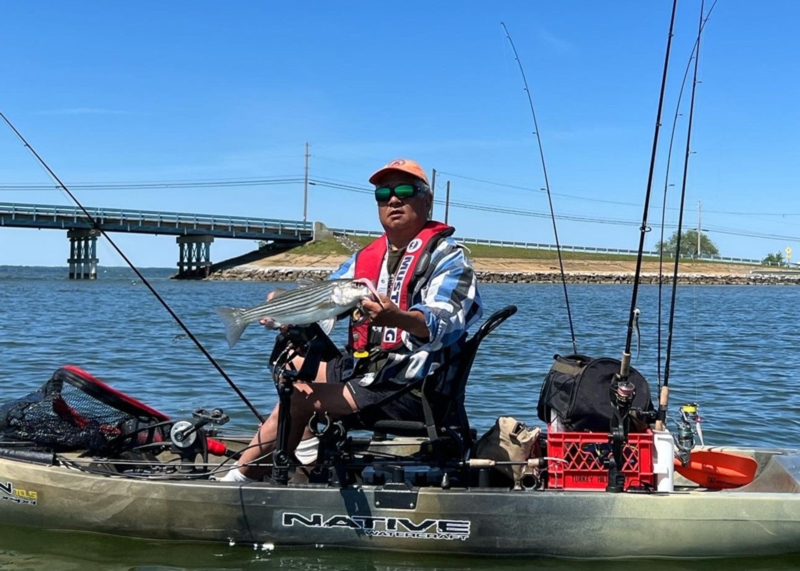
(446, 417)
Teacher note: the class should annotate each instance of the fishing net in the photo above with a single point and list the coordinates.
(74, 411)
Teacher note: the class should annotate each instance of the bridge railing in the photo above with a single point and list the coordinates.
(149, 217)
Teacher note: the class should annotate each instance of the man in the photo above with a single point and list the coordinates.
(428, 300)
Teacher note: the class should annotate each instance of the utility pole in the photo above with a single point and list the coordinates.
(305, 189)
(699, 228)
(447, 203)
(433, 191)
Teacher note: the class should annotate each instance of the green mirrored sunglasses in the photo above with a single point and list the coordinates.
(401, 191)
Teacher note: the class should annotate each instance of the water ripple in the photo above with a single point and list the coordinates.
(733, 349)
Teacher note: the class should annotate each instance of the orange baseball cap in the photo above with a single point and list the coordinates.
(403, 165)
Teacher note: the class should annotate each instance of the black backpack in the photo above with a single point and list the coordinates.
(577, 389)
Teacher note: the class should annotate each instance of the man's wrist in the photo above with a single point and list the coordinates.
(417, 324)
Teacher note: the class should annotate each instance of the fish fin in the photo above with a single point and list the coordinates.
(234, 325)
(278, 291)
(305, 282)
(327, 324)
(270, 323)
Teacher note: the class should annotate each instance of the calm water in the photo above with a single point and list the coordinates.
(733, 353)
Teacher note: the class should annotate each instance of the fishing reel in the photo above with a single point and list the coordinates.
(188, 439)
(688, 426)
(621, 393)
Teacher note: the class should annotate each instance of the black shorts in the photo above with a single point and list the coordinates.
(376, 401)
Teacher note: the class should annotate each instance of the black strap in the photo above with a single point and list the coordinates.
(430, 421)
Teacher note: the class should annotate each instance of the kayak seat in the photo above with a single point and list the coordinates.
(446, 424)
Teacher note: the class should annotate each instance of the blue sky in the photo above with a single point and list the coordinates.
(111, 92)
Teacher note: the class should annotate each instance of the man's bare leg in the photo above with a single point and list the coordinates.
(307, 400)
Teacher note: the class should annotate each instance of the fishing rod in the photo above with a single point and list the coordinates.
(547, 188)
(663, 397)
(666, 188)
(96, 225)
(625, 362)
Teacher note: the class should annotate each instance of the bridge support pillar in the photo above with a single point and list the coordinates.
(195, 256)
(82, 253)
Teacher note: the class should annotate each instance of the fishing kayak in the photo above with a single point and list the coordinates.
(72, 492)
(77, 455)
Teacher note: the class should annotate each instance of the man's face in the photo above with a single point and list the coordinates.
(407, 215)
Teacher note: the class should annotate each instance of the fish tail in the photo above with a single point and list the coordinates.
(234, 323)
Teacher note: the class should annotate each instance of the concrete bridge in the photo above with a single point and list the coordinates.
(194, 232)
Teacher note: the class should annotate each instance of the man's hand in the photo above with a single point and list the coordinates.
(383, 313)
(389, 315)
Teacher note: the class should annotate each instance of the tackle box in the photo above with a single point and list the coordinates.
(575, 460)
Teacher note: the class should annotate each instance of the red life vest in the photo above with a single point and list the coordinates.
(369, 263)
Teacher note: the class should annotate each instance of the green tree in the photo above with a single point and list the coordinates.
(773, 259)
(688, 244)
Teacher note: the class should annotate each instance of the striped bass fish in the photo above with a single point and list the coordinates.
(301, 306)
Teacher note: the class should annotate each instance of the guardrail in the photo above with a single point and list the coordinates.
(544, 246)
(728, 259)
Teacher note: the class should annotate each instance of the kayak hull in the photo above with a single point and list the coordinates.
(760, 519)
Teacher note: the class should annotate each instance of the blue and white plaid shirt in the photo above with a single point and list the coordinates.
(450, 302)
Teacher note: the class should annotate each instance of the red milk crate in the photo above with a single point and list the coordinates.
(575, 460)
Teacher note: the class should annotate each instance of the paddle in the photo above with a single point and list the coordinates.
(718, 470)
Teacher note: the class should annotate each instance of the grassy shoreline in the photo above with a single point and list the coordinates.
(498, 264)
(332, 249)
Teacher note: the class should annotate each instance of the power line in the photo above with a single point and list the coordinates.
(343, 185)
(566, 217)
(156, 184)
(541, 190)
(747, 234)
(492, 182)
(293, 179)
(489, 208)
(605, 201)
